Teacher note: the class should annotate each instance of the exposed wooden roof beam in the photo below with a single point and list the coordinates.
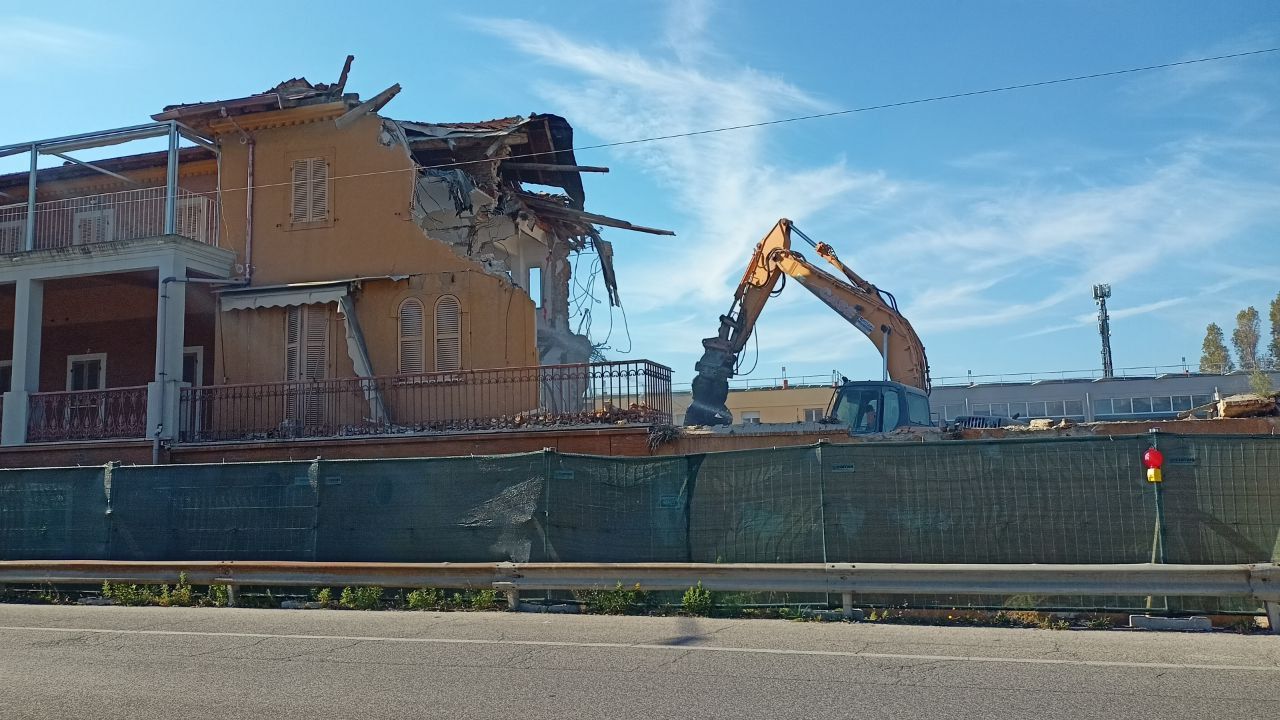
(552, 167)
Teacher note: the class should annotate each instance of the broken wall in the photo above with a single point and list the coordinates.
(479, 216)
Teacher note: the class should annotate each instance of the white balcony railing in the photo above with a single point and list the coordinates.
(90, 219)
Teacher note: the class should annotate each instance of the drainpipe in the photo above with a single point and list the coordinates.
(162, 342)
(248, 217)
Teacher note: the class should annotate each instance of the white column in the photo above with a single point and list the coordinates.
(171, 309)
(28, 317)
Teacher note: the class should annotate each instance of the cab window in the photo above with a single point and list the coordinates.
(892, 410)
(860, 410)
(918, 409)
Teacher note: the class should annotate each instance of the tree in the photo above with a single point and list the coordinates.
(1273, 347)
(1246, 336)
(1214, 357)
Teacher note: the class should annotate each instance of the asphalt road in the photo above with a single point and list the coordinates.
(107, 662)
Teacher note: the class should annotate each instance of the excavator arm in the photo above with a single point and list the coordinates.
(872, 311)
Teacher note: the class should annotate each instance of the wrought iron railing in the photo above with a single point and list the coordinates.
(110, 414)
(126, 215)
(497, 399)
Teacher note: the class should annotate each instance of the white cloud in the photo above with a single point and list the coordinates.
(1001, 257)
(31, 43)
(982, 251)
(686, 26)
(728, 187)
(1087, 319)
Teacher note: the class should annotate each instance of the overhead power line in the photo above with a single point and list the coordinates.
(934, 98)
(819, 116)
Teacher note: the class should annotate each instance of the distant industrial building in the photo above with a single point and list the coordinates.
(1133, 394)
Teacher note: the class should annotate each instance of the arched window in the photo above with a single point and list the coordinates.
(448, 334)
(412, 337)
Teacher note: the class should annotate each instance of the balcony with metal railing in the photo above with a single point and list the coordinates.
(111, 414)
(636, 392)
(74, 209)
(93, 219)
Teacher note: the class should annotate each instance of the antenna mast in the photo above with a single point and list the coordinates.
(1100, 295)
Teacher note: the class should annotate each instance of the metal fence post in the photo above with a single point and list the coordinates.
(1157, 536)
(313, 479)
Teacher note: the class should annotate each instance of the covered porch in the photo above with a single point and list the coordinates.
(103, 339)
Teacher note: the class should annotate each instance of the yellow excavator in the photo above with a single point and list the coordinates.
(900, 399)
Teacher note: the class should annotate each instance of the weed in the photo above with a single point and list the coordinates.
(617, 601)
(133, 595)
(456, 601)
(486, 599)
(324, 596)
(733, 605)
(360, 598)
(50, 594)
(425, 599)
(1098, 622)
(218, 595)
(697, 600)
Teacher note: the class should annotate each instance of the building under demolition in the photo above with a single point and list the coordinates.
(298, 265)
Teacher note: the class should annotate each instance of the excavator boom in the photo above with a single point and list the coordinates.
(873, 312)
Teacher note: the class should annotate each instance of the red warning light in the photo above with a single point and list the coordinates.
(1153, 459)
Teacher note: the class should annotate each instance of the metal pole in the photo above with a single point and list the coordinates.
(171, 182)
(31, 200)
(884, 350)
(1157, 536)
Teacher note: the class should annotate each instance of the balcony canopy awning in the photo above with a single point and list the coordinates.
(306, 293)
(251, 298)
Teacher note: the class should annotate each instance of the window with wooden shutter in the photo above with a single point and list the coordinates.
(448, 334)
(292, 343)
(310, 184)
(306, 359)
(412, 336)
(315, 342)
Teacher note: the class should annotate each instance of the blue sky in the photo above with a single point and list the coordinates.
(988, 217)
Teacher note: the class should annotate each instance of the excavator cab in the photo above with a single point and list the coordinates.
(871, 406)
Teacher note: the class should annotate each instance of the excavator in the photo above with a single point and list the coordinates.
(900, 399)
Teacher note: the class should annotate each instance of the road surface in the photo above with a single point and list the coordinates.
(109, 662)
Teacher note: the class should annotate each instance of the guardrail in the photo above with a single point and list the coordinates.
(1260, 581)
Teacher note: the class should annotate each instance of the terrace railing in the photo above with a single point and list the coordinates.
(111, 414)
(504, 398)
(91, 219)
